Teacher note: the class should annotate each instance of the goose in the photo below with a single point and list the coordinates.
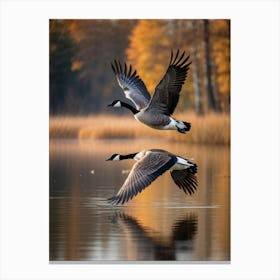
(150, 165)
(156, 111)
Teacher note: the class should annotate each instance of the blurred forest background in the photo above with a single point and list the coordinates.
(82, 82)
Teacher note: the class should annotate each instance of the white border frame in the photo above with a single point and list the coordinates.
(254, 146)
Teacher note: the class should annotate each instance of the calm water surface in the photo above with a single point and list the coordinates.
(161, 223)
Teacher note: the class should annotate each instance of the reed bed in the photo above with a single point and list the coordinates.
(208, 129)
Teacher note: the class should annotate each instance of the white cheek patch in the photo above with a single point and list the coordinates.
(117, 157)
(118, 104)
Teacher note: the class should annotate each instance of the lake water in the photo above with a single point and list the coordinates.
(161, 223)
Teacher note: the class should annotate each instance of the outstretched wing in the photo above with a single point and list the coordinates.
(185, 180)
(131, 84)
(143, 173)
(167, 92)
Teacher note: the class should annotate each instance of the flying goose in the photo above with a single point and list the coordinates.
(155, 111)
(150, 165)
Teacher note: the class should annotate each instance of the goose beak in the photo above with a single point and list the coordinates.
(110, 105)
(108, 159)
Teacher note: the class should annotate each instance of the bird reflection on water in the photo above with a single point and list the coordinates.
(149, 245)
(80, 217)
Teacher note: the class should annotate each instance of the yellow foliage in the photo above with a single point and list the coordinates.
(221, 52)
(149, 51)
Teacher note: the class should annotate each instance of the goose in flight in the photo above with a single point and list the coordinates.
(156, 111)
(150, 165)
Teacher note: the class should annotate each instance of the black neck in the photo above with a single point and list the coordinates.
(131, 108)
(127, 156)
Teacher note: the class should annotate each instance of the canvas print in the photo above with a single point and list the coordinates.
(139, 140)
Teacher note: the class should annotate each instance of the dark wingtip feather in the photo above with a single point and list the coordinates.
(125, 69)
(171, 56)
(184, 61)
(116, 66)
(113, 68)
(118, 199)
(185, 180)
(130, 69)
(177, 53)
(113, 200)
(179, 59)
(133, 74)
(191, 184)
(120, 67)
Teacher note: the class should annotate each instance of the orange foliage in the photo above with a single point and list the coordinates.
(221, 53)
(149, 51)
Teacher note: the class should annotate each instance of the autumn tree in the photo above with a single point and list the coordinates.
(99, 43)
(82, 50)
(220, 42)
(81, 79)
(149, 50)
(61, 50)
(187, 34)
(212, 100)
(209, 44)
(151, 42)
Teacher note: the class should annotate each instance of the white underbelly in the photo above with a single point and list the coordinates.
(171, 125)
(181, 164)
(174, 124)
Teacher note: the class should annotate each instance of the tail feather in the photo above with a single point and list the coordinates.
(185, 128)
(192, 169)
(187, 125)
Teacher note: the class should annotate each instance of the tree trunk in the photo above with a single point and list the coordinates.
(207, 68)
(218, 107)
(196, 85)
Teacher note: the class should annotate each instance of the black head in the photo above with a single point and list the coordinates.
(121, 157)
